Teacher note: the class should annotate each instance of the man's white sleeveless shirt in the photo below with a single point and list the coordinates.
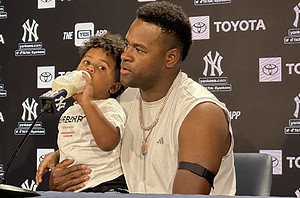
(155, 172)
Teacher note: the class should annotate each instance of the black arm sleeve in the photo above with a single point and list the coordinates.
(198, 170)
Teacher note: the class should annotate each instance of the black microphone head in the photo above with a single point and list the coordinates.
(53, 101)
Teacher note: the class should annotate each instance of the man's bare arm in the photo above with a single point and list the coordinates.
(64, 177)
(203, 139)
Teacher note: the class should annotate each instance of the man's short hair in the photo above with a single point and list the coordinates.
(173, 21)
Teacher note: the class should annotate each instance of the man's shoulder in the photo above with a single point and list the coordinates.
(128, 95)
(192, 88)
(190, 93)
(127, 98)
(108, 103)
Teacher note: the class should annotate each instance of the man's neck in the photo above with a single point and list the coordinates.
(160, 90)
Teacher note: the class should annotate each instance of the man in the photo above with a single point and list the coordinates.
(177, 137)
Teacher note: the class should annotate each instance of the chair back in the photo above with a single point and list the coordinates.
(253, 174)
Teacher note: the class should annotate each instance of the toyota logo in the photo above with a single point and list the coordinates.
(199, 27)
(270, 69)
(41, 158)
(46, 77)
(275, 161)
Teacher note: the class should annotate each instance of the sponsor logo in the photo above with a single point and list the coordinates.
(244, 25)
(293, 68)
(70, 119)
(297, 12)
(29, 109)
(61, 73)
(270, 69)
(29, 186)
(1, 117)
(3, 92)
(1, 170)
(44, 4)
(297, 192)
(45, 76)
(211, 70)
(30, 31)
(1, 39)
(28, 115)
(83, 31)
(101, 32)
(294, 33)
(3, 14)
(276, 160)
(160, 141)
(214, 63)
(294, 123)
(200, 27)
(67, 35)
(234, 115)
(30, 46)
(293, 162)
(40, 154)
(57, 97)
(210, 2)
(297, 101)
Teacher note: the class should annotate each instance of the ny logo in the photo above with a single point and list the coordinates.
(297, 192)
(1, 117)
(59, 103)
(297, 100)
(214, 63)
(30, 108)
(26, 185)
(31, 30)
(297, 11)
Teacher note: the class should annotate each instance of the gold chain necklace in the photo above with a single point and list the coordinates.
(149, 128)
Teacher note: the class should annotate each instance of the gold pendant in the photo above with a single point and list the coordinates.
(144, 148)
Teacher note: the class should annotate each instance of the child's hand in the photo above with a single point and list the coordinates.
(50, 160)
(87, 94)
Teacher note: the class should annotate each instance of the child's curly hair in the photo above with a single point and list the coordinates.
(113, 45)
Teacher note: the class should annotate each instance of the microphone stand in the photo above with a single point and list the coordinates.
(13, 191)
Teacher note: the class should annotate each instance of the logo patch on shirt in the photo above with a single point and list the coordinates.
(68, 119)
(160, 141)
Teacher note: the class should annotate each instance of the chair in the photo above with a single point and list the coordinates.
(253, 174)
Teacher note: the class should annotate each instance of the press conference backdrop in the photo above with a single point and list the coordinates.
(245, 51)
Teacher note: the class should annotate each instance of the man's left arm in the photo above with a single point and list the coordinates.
(203, 139)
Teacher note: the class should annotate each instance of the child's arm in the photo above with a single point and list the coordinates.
(49, 161)
(106, 135)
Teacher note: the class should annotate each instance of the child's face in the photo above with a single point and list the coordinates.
(101, 68)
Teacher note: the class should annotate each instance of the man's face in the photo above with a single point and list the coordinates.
(143, 58)
(101, 68)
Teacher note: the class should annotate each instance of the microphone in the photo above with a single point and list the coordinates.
(63, 87)
(13, 191)
(52, 101)
(55, 98)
